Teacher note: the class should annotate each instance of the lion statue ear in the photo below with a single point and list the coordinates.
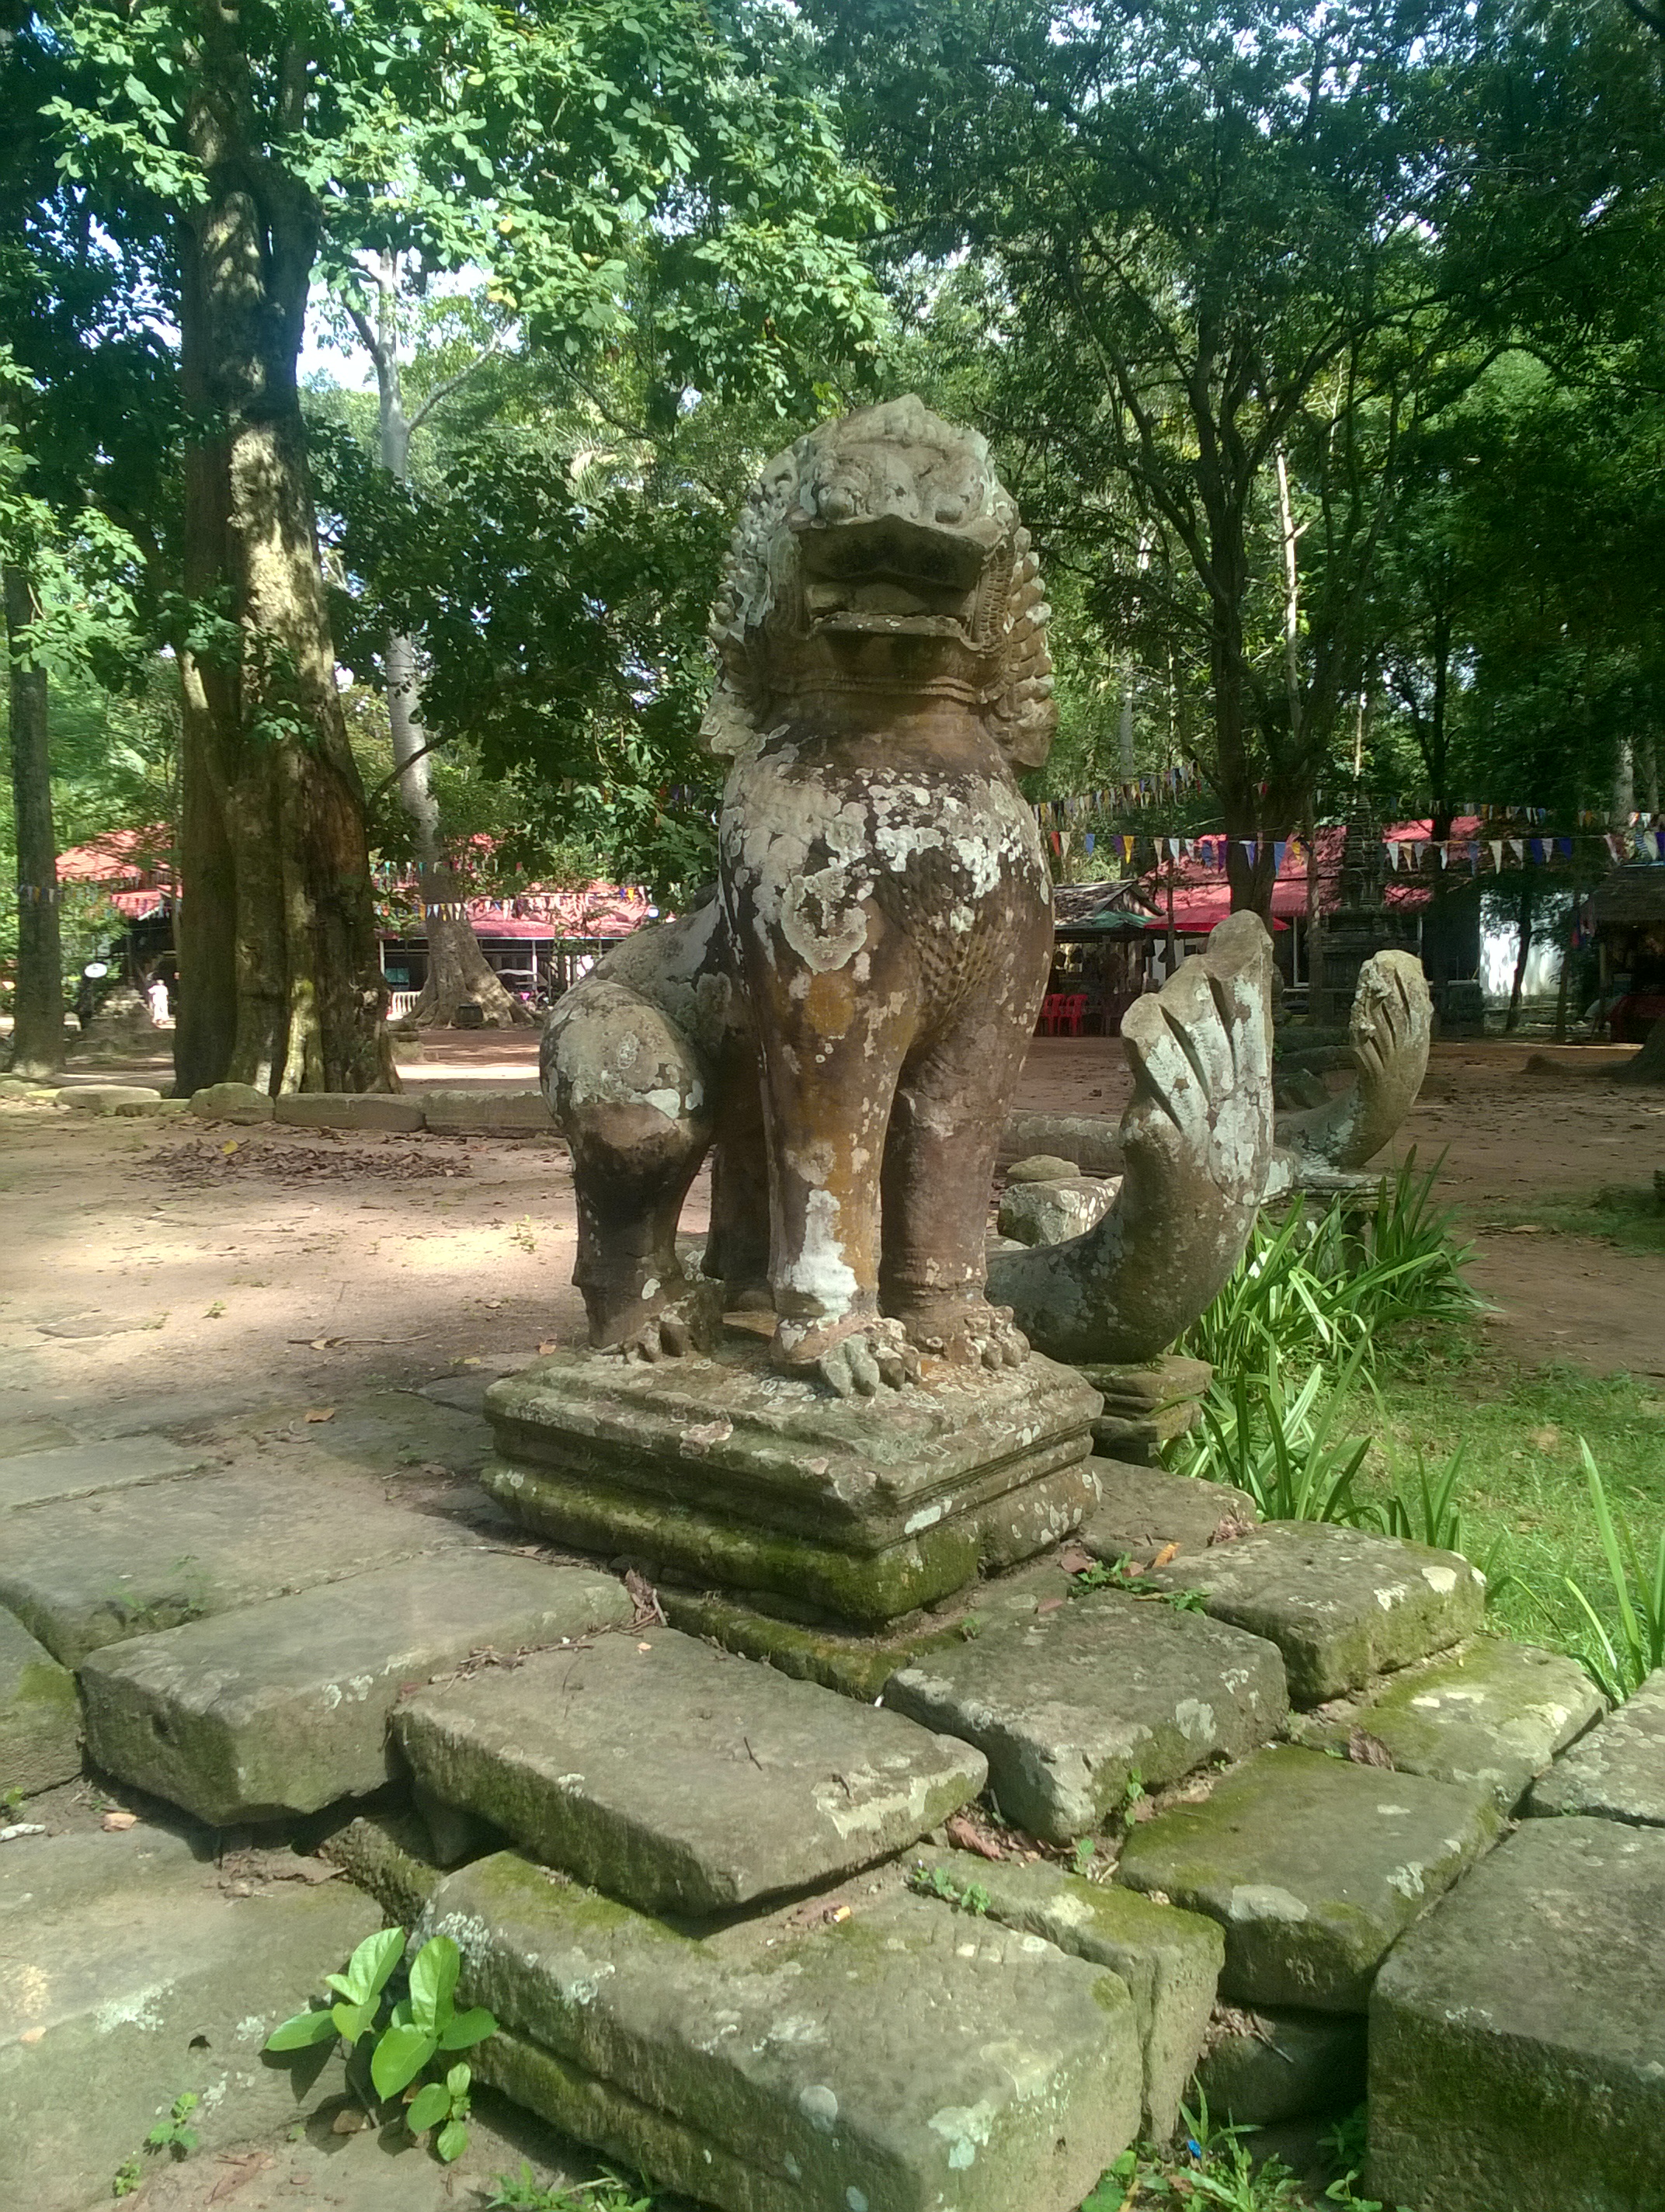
(744, 597)
(1025, 716)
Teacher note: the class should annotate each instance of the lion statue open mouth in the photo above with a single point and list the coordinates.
(845, 1022)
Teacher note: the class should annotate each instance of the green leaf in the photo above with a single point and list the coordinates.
(432, 1977)
(371, 1963)
(400, 2056)
(457, 2080)
(463, 2028)
(353, 2020)
(428, 2108)
(452, 2139)
(304, 2027)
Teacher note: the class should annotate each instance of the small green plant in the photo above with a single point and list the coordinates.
(1638, 1596)
(524, 1234)
(1132, 1792)
(1123, 1574)
(1084, 1852)
(522, 2192)
(1212, 2166)
(1280, 1444)
(401, 2035)
(937, 1881)
(175, 2133)
(127, 2177)
(13, 1800)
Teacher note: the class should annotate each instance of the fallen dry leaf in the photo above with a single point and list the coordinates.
(117, 1821)
(547, 1346)
(1367, 1750)
(238, 2171)
(349, 2121)
(967, 1836)
(1051, 1604)
(1168, 1552)
(1074, 1560)
(320, 1412)
(31, 2035)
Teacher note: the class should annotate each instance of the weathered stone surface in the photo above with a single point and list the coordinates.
(283, 1707)
(1149, 1385)
(1169, 1959)
(1494, 1712)
(38, 1478)
(486, 1114)
(40, 1715)
(1617, 1771)
(1314, 1867)
(1339, 1604)
(1143, 1510)
(1390, 1027)
(904, 2059)
(1047, 1212)
(348, 1109)
(1043, 1167)
(1069, 1707)
(238, 1103)
(680, 1778)
(109, 1098)
(93, 1571)
(1090, 1142)
(389, 1853)
(721, 1470)
(1263, 2067)
(130, 1976)
(1517, 2039)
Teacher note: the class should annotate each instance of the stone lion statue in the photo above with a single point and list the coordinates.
(846, 1020)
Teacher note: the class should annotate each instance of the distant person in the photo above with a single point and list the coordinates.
(156, 992)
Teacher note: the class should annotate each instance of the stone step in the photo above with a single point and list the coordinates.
(1517, 2039)
(40, 1715)
(33, 1479)
(1169, 1959)
(900, 2059)
(283, 1707)
(1493, 1712)
(1340, 1604)
(1617, 1771)
(1144, 1510)
(1313, 1866)
(95, 1571)
(132, 1975)
(679, 1777)
(1070, 1707)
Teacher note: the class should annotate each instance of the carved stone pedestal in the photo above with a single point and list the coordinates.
(720, 1471)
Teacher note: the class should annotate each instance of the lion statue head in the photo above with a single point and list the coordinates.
(881, 550)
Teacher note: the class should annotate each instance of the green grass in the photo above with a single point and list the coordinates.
(1625, 1214)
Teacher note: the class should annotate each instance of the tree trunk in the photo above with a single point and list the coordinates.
(1649, 1065)
(1523, 922)
(458, 970)
(280, 982)
(37, 1037)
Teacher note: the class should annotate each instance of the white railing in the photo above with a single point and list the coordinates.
(399, 1004)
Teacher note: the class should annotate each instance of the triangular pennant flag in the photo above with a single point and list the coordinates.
(1496, 853)
(1392, 853)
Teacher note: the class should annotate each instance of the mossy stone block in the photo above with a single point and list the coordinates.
(1340, 1603)
(1313, 1867)
(1169, 1959)
(1144, 1510)
(1617, 1771)
(40, 1715)
(899, 2058)
(1517, 2038)
(1493, 1712)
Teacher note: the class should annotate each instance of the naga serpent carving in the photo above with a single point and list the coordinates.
(846, 1021)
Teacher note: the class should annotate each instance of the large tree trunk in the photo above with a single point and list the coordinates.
(37, 1037)
(1523, 923)
(280, 983)
(1649, 1065)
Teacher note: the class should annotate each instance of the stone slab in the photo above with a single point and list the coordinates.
(1035, 1212)
(38, 1478)
(1150, 1385)
(1043, 1167)
(1617, 1771)
(487, 1114)
(679, 1777)
(95, 1571)
(40, 1715)
(720, 1470)
(1313, 1866)
(283, 1707)
(109, 1098)
(1492, 1712)
(388, 1852)
(1340, 1604)
(1518, 2036)
(130, 1975)
(1143, 1510)
(345, 1110)
(903, 2057)
(1068, 1708)
(1263, 2067)
(238, 1103)
(1169, 1959)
